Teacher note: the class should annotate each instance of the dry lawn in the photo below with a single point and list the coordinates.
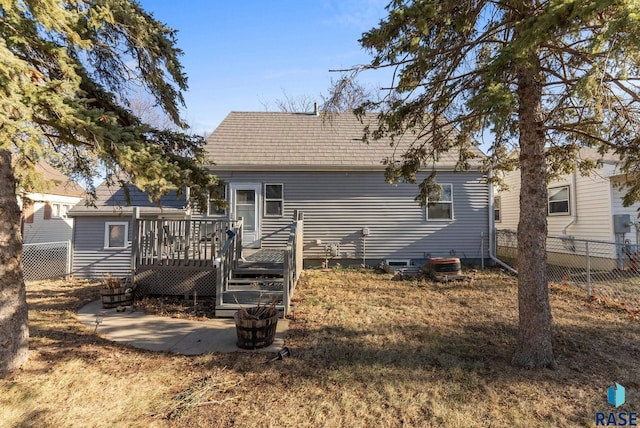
(366, 351)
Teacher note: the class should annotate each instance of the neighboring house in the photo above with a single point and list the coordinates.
(275, 163)
(102, 234)
(44, 214)
(586, 207)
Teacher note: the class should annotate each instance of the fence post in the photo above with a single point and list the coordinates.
(69, 258)
(482, 250)
(588, 269)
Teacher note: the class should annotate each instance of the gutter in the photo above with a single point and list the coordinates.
(492, 231)
(574, 204)
(320, 168)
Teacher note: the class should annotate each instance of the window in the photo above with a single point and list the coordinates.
(116, 234)
(215, 210)
(496, 208)
(442, 208)
(273, 200)
(559, 201)
(59, 210)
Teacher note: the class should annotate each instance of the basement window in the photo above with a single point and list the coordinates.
(402, 263)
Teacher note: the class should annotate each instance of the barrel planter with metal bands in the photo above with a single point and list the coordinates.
(445, 265)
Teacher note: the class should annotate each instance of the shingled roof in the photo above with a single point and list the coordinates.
(111, 200)
(58, 183)
(302, 141)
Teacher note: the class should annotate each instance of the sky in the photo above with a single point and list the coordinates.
(245, 55)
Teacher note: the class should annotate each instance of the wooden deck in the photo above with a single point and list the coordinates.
(207, 258)
(264, 255)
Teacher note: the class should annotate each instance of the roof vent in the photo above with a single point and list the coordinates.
(315, 109)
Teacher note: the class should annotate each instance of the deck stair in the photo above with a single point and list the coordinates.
(250, 284)
(248, 277)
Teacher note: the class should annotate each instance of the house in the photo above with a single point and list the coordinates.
(298, 187)
(44, 212)
(580, 206)
(585, 217)
(103, 233)
(274, 163)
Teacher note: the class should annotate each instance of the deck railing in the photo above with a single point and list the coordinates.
(293, 259)
(156, 241)
(230, 253)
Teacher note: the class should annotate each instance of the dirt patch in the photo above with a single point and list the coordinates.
(177, 307)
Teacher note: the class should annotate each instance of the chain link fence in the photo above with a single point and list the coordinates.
(46, 260)
(607, 271)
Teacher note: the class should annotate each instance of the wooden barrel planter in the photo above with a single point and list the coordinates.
(255, 333)
(445, 266)
(116, 292)
(114, 297)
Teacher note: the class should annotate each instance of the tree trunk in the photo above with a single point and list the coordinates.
(14, 330)
(534, 349)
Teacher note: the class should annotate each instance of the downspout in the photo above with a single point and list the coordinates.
(492, 230)
(574, 204)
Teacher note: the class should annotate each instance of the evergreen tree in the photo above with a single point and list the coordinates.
(553, 76)
(67, 69)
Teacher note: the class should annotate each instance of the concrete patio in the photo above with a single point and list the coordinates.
(163, 334)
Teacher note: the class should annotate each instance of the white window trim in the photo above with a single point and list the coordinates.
(53, 210)
(568, 212)
(281, 199)
(106, 234)
(426, 209)
(60, 206)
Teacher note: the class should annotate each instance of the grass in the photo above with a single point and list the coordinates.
(366, 351)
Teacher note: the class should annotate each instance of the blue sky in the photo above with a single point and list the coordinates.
(242, 56)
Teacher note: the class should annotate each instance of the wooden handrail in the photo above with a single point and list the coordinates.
(228, 258)
(293, 259)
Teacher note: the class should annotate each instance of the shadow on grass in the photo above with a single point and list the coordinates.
(56, 299)
(484, 349)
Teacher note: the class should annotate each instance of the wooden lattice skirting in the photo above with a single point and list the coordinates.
(176, 278)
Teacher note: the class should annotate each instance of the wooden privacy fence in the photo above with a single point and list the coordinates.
(178, 257)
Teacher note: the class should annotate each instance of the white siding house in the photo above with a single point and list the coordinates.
(583, 207)
(44, 214)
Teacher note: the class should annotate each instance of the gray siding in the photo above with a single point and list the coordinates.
(51, 230)
(337, 205)
(90, 258)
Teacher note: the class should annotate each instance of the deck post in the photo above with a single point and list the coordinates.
(286, 283)
(135, 240)
(299, 255)
(238, 241)
(187, 238)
